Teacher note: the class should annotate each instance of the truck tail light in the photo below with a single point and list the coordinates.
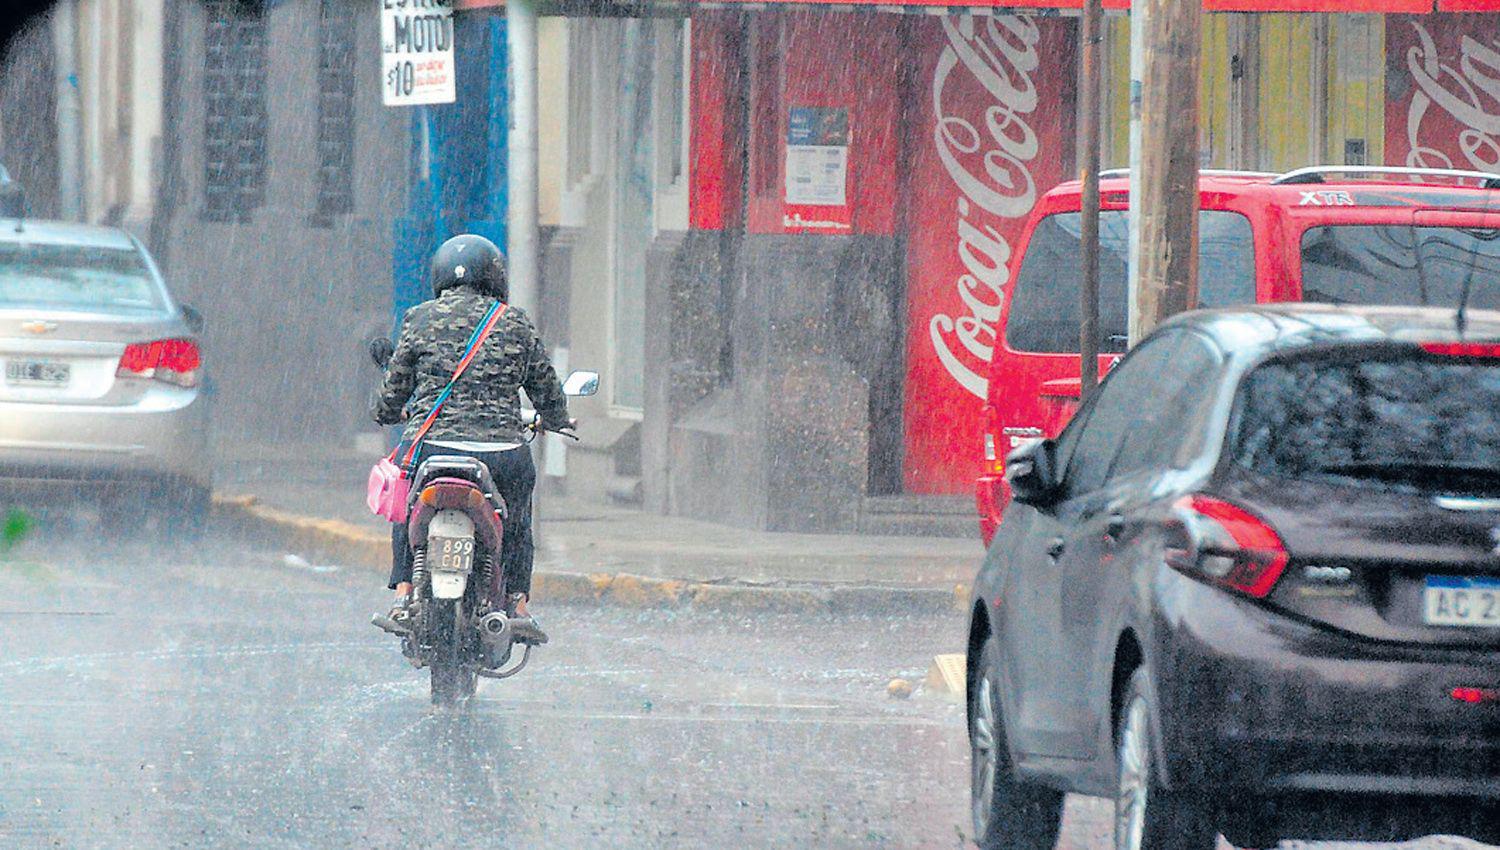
(172, 361)
(1228, 546)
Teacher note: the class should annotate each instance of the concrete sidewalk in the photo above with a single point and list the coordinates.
(312, 499)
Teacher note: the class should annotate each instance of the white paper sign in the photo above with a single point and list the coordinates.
(817, 174)
(817, 156)
(416, 46)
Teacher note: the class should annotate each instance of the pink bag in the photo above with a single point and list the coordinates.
(388, 489)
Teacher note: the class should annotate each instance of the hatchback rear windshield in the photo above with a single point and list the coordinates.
(76, 277)
(1044, 309)
(1377, 264)
(1404, 421)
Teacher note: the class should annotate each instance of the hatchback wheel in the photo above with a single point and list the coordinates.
(1147, 816)
(1009, 814)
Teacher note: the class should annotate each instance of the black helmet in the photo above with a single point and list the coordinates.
(469, 260)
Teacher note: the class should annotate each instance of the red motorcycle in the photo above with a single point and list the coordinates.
(457, 624)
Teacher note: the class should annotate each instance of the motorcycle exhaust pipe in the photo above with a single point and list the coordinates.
(494, 629)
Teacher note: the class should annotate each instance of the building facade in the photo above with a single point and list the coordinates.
(282, 178)
(783, 233)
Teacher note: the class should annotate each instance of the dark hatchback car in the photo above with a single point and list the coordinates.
(1254, 589)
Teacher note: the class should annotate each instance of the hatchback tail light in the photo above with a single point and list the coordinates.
(1462, 349)
(1228, 546)
(173, 361)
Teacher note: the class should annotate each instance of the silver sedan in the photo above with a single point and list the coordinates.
(101, 395)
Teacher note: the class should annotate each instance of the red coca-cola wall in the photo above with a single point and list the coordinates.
(716, 141)
(992, 130)
(1443, 73)
(825, 60)
(798, 58)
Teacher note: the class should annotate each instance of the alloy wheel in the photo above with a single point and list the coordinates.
(983, 755)
(1135, 777)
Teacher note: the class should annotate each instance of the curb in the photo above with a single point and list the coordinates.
(329, 540)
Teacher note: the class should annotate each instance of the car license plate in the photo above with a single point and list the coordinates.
(451, 554)
(1462, 601)
(37, 373)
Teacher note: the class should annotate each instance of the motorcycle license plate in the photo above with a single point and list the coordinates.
(1462, 601)
(451, 554)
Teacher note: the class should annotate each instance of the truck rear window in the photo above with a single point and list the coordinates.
(1044, 309)
(1407, 422)
(1377, 264)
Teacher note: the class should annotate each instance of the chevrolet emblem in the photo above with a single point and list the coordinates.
(39, 327)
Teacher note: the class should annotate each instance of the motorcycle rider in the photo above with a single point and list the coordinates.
(482, 416)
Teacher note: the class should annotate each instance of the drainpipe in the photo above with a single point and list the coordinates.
(69, 112)
(525, 262)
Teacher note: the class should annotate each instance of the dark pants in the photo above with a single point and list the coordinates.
(515, 477)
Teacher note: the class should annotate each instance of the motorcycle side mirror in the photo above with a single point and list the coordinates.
(381, 349)
(581, 383)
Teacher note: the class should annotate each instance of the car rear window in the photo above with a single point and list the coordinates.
(1044, 309)
(1377, 264)
(76, 277)
(1402, 421)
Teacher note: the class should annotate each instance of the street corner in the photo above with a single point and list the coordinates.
(329, 540)
(634, 591)
(569, 588)
(742, 599)
(865, 599)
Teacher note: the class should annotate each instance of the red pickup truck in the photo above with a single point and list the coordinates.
(1346, 235)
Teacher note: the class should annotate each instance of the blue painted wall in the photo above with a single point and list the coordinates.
(458, 159)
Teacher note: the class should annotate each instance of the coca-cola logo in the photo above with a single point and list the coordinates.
(987, 158)
(1468, 92)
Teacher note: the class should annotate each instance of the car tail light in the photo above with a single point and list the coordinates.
(174, 361)
(1475, 696)
(1229, 546)
(1462, 349)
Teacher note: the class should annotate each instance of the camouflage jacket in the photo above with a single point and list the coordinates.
(484, 405)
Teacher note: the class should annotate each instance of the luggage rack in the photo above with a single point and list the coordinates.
(1318, 173)
(1212, 172)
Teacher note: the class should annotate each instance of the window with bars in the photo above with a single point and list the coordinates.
(335, 110)
(234, 137)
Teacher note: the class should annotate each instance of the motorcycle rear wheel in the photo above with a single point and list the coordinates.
(452, 680)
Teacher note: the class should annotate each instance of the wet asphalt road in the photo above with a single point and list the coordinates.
(227, 698)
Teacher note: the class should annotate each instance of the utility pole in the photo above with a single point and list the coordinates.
(1139, 13)
(69, 112)
(1089, 36)
(524, 260)
(1166, 186)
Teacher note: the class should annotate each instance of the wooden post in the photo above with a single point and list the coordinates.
(1090, 35)
(1167, 185)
